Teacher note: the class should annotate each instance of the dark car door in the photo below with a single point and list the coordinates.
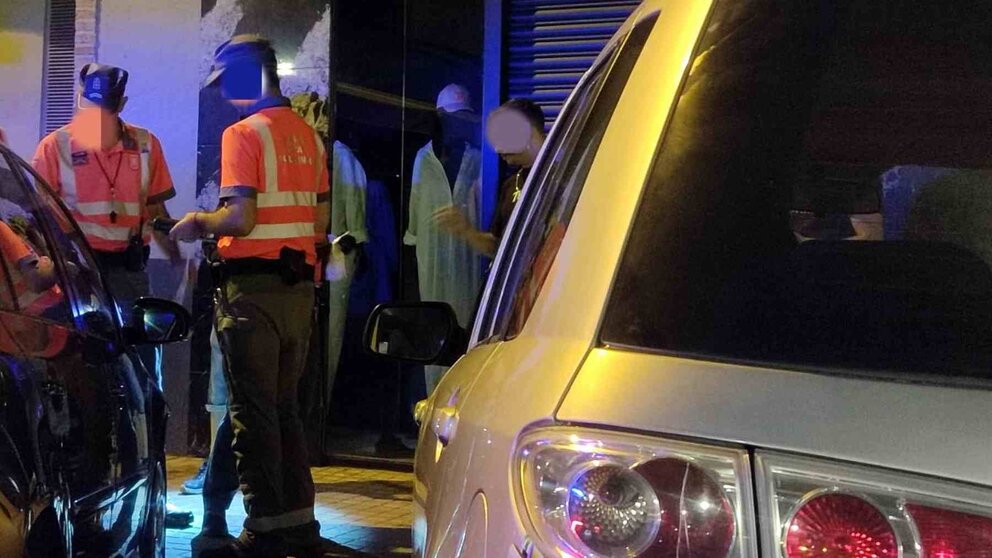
(94, 428)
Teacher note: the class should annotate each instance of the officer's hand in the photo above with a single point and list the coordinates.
(186, 230)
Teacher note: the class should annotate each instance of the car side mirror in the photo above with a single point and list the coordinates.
(155, 321)
(420, 332)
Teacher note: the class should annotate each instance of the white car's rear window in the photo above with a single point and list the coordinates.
(823, 194)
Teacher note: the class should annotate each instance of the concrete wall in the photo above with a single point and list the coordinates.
(22, 44)
(158, 44)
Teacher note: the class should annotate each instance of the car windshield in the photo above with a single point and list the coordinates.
(822, 197)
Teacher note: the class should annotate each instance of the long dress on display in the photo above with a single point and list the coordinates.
(447, 267)
(348, 193)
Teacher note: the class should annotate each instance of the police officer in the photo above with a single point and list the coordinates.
(115, 181)
(275, 203)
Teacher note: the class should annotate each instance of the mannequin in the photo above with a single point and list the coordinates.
(447, 172)
(348, 199)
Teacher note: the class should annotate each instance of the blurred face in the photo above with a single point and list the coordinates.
(513, 137)
(95, 127)
(243, 84)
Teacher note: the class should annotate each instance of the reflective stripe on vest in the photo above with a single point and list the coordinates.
(116, 234)
(269, 161)
(286, 199)
(67, 174)
(145, 149)
(105, 207)
(281, 231)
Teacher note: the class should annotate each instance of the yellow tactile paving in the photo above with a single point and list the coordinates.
(367, 510)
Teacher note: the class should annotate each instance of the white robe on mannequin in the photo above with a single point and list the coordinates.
(348, 189)
(447, 267)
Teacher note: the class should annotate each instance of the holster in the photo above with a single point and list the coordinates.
(136, 254)
(294, 264)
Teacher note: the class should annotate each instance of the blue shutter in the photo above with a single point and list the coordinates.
(551, 43)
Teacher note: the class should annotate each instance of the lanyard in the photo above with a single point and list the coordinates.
(112, 182)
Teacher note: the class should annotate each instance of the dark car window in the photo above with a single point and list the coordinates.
(559, 181)
(8, 183)
(822, 197)
(92, 310)
(27, 255)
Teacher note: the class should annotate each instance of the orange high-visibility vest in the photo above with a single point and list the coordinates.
(276, 157)
(135, 168)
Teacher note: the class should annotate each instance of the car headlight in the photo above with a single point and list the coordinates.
(601, 494)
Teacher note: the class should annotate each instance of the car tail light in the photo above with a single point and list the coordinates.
(950, 534)
(601, 495)
(811, 508)
(839, 525)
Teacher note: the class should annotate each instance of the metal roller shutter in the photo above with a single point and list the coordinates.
(551, 43)
(60, 60)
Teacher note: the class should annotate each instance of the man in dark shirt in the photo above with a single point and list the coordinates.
(516, 131)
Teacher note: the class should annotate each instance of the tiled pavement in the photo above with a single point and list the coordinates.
(365, 510)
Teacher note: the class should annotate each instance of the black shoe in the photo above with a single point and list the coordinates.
(205, 543)
(249, 545)
(321, 548)
(304, 541)
(176, 518)
(194, 485)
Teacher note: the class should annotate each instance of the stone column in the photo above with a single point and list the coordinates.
(86, 32)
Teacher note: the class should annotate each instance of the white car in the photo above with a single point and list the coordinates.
(744, 306)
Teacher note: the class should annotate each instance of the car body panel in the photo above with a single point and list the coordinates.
(476, 459)
(91, 418)
(432, 464)
(845, 418)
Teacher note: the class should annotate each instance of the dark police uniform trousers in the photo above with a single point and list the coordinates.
(263, 326)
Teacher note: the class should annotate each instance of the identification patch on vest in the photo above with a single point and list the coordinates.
(135, 161)
(80, 158)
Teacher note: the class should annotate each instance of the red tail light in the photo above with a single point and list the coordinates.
(950, 534)
(812, 508)
(697, 519)
(839, 526)
(601, 494)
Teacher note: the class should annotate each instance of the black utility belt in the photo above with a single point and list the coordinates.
(290, 274)
(131, 259)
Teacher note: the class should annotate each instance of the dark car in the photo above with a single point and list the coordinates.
(82, 421)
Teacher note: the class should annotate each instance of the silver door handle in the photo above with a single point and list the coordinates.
(445, 424)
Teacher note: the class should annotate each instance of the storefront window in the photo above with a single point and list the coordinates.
(408, 120)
